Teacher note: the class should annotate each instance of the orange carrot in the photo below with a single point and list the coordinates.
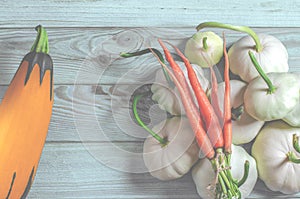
(227, 128)
(214, 96)
(207, 112)
(188, 104)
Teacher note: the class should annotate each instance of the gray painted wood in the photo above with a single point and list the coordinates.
(118, 13)
(91, 55)
(67, 170)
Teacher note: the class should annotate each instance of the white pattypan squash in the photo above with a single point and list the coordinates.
(273, 57)
(270, 150)
(293, 117)
(244, 127)
(204, 49)
(265, 106)
(203, 174)
(175, 158)
(168, 98)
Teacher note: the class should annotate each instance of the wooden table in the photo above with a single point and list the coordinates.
(91, 100)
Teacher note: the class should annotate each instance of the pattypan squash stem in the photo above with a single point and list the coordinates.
(204, 43)
(246, 173)
(159, 55)
(237, 112)
(272, 88)
(40, 45)
(293, 158)
(244, 29)
(296, 143)
(162, 141)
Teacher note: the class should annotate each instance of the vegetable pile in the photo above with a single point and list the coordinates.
(210, 122)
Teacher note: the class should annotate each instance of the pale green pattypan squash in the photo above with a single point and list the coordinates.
(276, 157)
(177, 156)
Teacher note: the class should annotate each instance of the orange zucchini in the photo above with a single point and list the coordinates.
(25, 113)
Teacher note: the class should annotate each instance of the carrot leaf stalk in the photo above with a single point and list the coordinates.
(162, 141)
(148, 50)
(41, 42)
(245, 29)
(225, 185)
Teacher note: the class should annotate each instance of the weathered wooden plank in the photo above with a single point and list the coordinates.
(90, 113)
(89, 56)
(68, 170)
(117, 13)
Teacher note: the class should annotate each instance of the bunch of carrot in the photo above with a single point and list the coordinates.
(212, 129)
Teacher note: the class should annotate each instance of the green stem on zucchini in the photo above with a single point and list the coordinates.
(246, 174)
(296, 143)
(292, 157)
(40, 44)
(244, 29)
(162, 141)
(272, 88)
(159, 55)
(204, 43)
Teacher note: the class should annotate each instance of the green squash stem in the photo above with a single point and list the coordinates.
(244, 29)
(272, 88)
(296, 143)
(292, 157)
(237, 112)
(246, 173)
(162, 141)
(41, 43)
(204, 43)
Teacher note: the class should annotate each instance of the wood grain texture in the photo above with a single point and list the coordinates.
(91, 55)
(117, 13)
(69, 171)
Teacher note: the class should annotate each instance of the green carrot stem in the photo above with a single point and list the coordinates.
(296, 143)
(246, 174)
(244, 29)
(41, 42)
(222, 184)
(226, 180)
(159, 55)
(161, 140)
(227, 185)
(272, 88)
(292, 157)
(204, 43)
